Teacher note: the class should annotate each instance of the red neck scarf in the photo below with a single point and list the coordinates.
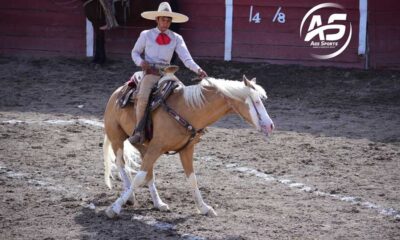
(163, 39)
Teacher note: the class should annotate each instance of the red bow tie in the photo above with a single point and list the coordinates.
(163, 39)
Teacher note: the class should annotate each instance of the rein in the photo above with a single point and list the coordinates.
(254, 106)
(189, 127)
(234, 108)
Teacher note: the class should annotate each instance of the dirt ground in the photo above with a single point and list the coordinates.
(329, 171)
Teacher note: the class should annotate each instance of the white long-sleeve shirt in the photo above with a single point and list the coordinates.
(162, 54)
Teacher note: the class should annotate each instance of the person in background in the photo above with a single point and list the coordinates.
(111, 22)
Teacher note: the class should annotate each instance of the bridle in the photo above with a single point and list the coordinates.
(237, 111)
(254, 106)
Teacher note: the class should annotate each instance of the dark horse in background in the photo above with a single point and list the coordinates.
(127, 13)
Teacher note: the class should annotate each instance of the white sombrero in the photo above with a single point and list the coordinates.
(164, 10)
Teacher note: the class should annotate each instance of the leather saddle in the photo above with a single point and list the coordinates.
(160, 93)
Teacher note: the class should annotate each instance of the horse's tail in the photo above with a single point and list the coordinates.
(132, 158)
(108, 155)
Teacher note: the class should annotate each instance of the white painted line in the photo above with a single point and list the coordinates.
(37, 183)
(83, 121)
(13, 121)
(191, 237)
(302, 187)
(95, 123)
(153, 222)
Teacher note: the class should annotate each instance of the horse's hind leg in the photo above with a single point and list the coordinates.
(125, 177)
(186, 156)
(143, 177)
(127, 194)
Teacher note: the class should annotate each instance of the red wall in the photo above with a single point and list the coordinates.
(280, 42)
(384, 33)
(205, 32)
(42, 27)
(57, 27)
(267, 41)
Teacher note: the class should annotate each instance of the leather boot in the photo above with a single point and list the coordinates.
(138, 134)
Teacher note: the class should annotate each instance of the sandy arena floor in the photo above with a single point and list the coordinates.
(330, 170)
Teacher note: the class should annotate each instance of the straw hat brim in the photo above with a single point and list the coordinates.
(176, 17)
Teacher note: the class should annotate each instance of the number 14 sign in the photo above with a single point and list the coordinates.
(256, 18)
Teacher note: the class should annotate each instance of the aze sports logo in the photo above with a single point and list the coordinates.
(330, 39)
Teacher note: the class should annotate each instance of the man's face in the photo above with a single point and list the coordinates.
(163, 23)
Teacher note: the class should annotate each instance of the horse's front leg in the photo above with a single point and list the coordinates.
(186, 156)
(158, 203)
(147, 172)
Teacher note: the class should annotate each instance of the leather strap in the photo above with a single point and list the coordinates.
(189, 127)
(153, 71)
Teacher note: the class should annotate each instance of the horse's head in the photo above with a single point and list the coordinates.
(253, 109)
(244, 98)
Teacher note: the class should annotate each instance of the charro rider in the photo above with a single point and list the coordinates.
(158, 45)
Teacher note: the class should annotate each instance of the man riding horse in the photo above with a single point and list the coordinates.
(158, 45)
(178, 125)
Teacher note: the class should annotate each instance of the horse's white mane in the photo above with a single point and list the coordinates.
(194, 97)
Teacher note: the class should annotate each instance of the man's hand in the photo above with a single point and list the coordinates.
(202, 74)
(144, 65)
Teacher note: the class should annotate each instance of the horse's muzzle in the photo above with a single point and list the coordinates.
(267, 128)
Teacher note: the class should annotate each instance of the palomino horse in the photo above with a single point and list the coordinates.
(200, 105)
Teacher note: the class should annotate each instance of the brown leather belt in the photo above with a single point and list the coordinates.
(153, 71)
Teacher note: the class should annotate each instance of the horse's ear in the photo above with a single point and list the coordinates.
(246, 81)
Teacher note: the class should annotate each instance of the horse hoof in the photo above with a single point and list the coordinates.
(207, 211)
(163, 207)
(211, 213)
(110, 212)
